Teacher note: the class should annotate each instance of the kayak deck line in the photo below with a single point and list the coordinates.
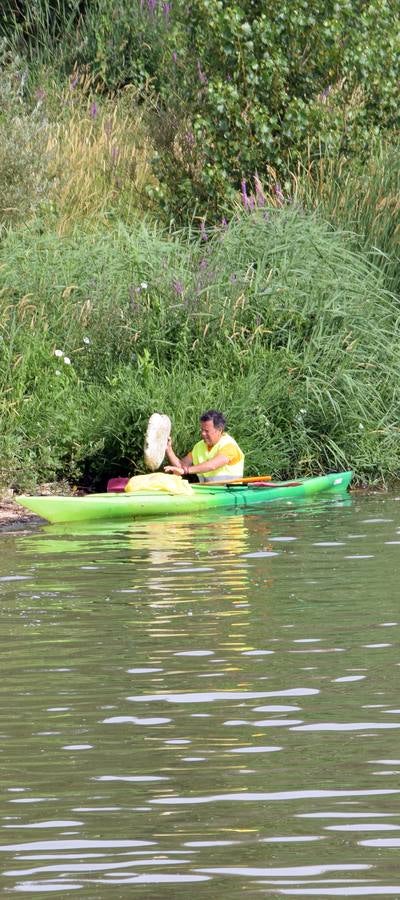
(153, 503)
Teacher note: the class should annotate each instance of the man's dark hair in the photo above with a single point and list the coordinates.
(216, 417)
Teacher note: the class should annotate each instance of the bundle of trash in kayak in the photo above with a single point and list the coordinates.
(156, 481)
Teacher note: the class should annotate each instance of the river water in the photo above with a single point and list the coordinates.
(205, 706)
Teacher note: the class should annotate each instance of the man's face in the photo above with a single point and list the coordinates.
(210, 433)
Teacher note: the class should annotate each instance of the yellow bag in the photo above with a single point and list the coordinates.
(159, 481)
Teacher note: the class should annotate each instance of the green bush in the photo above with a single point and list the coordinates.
(264, 84)
(235, 85)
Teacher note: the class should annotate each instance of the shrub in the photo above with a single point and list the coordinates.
(241, 84)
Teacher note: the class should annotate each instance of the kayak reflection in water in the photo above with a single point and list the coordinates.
(217, 457)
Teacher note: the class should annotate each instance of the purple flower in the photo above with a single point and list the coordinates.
(202, 75)
(203, 233)
(203, 263)
(245, 197)
(73, 83)
(278, 192)
(175, 57)
(224, 224)
(151, 6)
(178, 287)
(325, 93)
(93, 110)
(166, 8)
(260, 196)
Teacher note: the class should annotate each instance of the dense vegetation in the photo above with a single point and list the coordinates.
(236, 85)
(199, 206)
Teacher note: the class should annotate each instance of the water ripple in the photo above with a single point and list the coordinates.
(252, 796)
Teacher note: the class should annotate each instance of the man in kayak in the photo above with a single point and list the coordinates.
(217, 457)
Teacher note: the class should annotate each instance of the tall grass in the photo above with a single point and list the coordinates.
(24, 180)
(68, 154)
(365, 201)
(271, 318)
(44, 31)
(101, 156)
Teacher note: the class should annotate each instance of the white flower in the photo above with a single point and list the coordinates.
(143, 285)
(58, 372)
(303, 412)
(59, 353)
(67, 360)
(361, 427)
(86, 340)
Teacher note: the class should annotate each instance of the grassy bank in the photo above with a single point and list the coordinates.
(285, 315)
(271, 318)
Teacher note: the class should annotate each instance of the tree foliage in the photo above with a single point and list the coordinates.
(283, 80)
(237, 85)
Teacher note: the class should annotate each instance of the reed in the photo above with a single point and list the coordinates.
(361, 199)
(101, 157)
(69, 154)
(272, 318)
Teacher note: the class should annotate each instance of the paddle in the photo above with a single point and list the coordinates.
(155, 444)
(235, 481)
(155, 441)
(251, 482)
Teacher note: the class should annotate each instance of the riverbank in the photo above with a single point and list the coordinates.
(138, 275)
(268, 315)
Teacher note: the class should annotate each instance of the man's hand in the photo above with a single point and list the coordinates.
(174, 470)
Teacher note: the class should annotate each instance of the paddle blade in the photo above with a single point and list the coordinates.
(116, 485)
(155, 442)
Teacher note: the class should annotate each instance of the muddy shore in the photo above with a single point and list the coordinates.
(13, 517)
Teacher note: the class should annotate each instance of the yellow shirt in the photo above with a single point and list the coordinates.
(228, 447)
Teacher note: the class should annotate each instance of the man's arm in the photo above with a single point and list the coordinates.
(185, 466)
(174, 460)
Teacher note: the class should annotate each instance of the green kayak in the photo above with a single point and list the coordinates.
(156, 503)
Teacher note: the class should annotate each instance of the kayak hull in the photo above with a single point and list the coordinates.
(56, 509)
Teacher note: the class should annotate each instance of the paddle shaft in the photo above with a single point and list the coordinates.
(235, 481)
